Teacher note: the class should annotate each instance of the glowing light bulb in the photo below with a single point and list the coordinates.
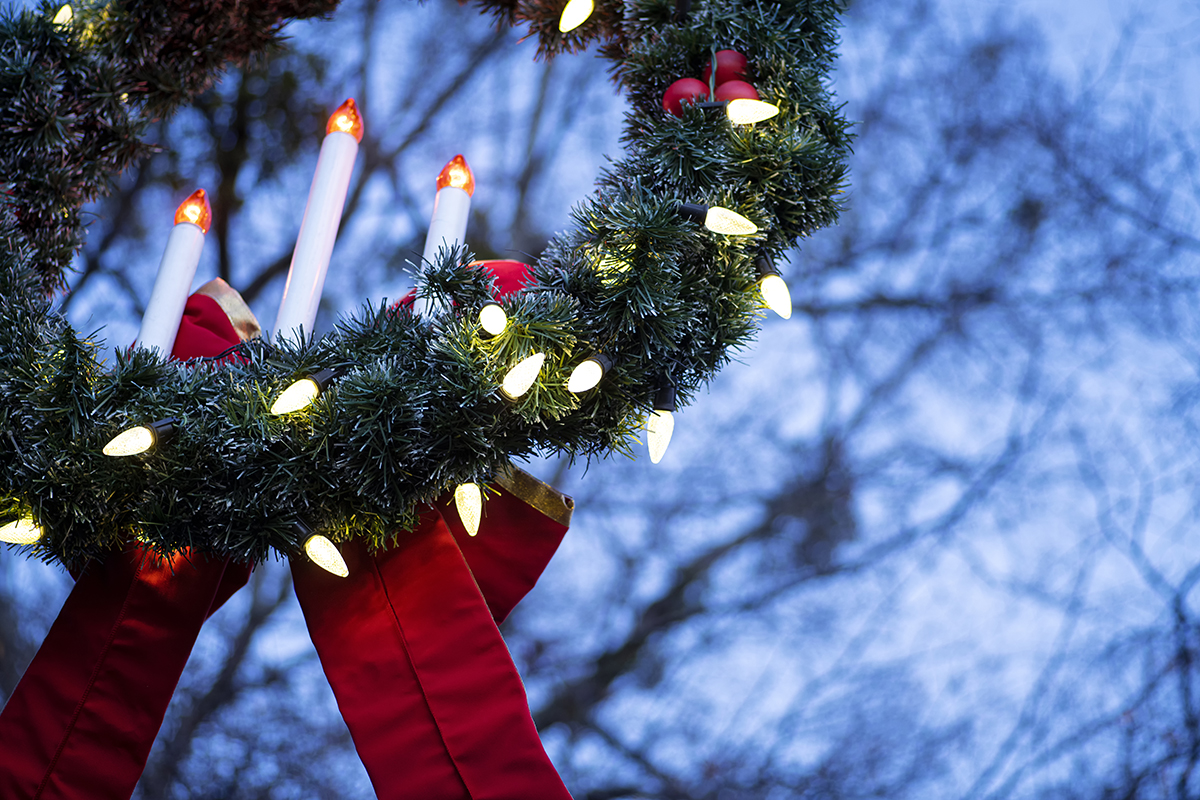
(21, 531)
(302, 393)
(522, 376)
(661, 422)
(346, 120)
(730, 223)
(588, 373)
(776, 295)
(64, 16)
(132, 441)
(468, 499)
(718, 219)
(493, 319)
(584, 377)
(456, 173)
(574, 14)
(325, 555)
(659, 427)
(195, 210)
(299, 395)
(742, 111)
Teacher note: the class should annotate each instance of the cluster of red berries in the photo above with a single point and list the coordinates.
(731, 67)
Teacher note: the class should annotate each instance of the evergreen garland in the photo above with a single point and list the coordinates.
(416, 409)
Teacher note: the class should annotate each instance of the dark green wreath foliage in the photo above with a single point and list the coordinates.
(417, 408)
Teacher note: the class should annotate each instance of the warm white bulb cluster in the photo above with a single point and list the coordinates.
(586, 375)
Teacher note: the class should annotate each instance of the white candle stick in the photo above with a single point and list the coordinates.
(160, 324)
(451, 206)
(322, 216)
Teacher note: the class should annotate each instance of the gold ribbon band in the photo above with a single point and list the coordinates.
(240, 316)
(542, 496)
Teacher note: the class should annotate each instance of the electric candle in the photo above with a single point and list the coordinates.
(322, 216)
(451, 206)
(160, 324)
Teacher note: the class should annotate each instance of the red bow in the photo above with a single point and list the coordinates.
(409, 643)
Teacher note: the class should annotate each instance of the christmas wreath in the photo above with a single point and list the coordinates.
(656, 285)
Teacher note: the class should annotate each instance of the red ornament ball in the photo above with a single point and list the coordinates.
(684, 89)
(736, 90)
(511, 276)
(731, 66)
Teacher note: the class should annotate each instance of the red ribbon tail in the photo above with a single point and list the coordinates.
(83, 717)
(421, 674)
(515, 543)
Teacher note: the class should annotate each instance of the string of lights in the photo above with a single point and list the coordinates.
(291, 444)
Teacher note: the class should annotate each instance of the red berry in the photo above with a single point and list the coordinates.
(731, 66)
(683, 89)
(734, 90)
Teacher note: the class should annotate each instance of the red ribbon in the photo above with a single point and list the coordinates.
(409, 643)
(420, 671)
(81, 721)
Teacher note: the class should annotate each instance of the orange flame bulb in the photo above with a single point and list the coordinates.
(457, 174)
(346, 120)
(195, 210)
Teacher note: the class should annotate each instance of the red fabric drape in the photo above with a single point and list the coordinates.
(421, 674)
(513, 548)
(409, 643)
(204, 331)
(81, 721)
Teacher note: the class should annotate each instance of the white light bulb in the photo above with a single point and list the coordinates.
(522, 376)
(469, 502)
(659, 427)
(585, 376)
(574, 14)
(325, 555)
(493, 319)
(21, 531)
(130, 442)
(64, 16)
(743, 111)
(730, 223)
(300, 394)
(776, 295)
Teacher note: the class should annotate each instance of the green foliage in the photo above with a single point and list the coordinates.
(417, 407)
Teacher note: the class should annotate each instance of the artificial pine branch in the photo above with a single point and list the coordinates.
(417, 408)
